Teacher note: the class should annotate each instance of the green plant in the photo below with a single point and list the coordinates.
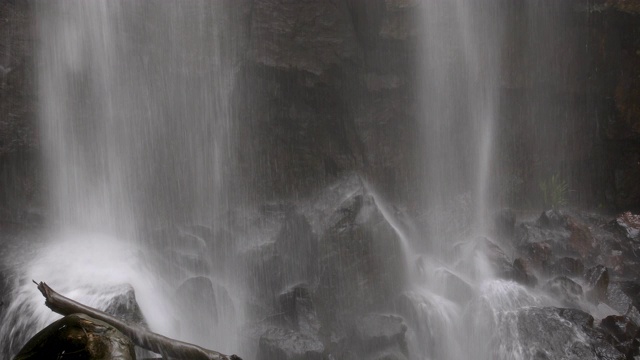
(554, 192)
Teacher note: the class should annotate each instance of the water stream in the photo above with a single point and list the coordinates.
(138, 127)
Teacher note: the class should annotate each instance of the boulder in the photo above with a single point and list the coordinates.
(361, 260)
(82, 337)
(567, 266)
(627, 224)
(296, 306)
(623, 333)
(125, 307)
(377, 333)
(597, 278)
(537, 254)
(203, 305)
(523, 273)
(504, 223)
(567, 335)
(565, 290)
(297, 245)
(287, 344)
(552, 219)
(581, 240)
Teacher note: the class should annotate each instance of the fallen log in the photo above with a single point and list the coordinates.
(167, 347)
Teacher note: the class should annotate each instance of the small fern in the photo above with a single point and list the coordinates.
(554, 192)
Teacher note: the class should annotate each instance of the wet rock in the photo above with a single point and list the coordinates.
(567, 266)
(618, 299)
(627, 224)
(298, 310)
(567, 291)
(361, 259)
(552, 219)
(310, 36)
(79, 336)
(504, 222)
(597, 278)
(577, 317)
(531, 233)
(297, 245)
(496, 257)
(523, 273)
(125, 307)
(286, 344)
(400, 21)
(623, 333)
(581, 239)
(455, 288)
(538, 254)
(561, 339)
(378, 332)
(203, 304)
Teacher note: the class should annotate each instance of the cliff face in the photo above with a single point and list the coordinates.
(325, 88)
(19, 184)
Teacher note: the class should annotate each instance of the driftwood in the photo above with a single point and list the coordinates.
(167, 347)
(77, 336)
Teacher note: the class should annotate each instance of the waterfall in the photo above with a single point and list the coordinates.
(135, 123)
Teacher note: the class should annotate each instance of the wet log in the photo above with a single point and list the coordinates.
(77, 336)
(167, 347)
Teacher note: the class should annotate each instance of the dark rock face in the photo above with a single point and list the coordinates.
(20, 187)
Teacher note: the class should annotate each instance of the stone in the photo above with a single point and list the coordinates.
(624, 333)
(523, 273)
(567, 266)
(499, 261)
(309, 36)
(297, 245)
(629, 224)
(454, 287)
(537, 254)
(565, 290)
(286, 344)
(504, 223)
(567, 335)
(125, 307)
(552, 219)
(380, 332)
(361, 257)
(202, 305)
(618, 299)
(298, 310)
(84, 337)
(597, 278)
(581, 239)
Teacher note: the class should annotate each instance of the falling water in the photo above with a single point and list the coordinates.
(455, 305)
(135, 119)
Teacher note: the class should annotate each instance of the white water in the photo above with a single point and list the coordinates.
(455, 307)
(134, 118)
